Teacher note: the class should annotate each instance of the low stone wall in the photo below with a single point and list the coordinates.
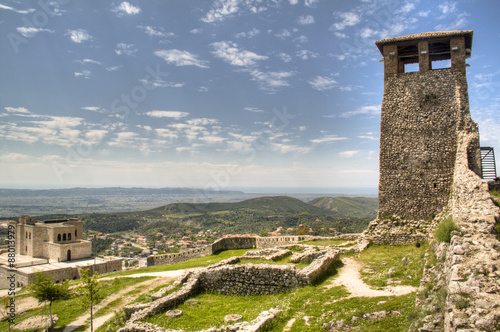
(233, 243)
(230, 279)
(250, 279)
(179, 257)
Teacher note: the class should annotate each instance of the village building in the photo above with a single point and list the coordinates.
(54, 247)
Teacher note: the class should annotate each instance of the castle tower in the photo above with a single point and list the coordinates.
(422, 115)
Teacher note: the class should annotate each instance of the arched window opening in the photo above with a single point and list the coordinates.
(69, 236)
(64, 236)
(59, 237)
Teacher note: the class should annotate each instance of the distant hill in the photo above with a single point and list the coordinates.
(348, 207)
(264, 205)
(256, 215)
(111, 191)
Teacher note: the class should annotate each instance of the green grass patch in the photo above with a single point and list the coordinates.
(196, 262)
(322, 305)
(401, 264)
(336, 243)
(444, 229)
(68, 310)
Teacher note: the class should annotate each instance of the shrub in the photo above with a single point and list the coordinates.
(444, 229)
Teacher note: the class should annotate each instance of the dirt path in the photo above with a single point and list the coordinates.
(350, 277)
(145, 286)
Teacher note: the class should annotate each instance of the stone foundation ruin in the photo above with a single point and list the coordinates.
(228, 278)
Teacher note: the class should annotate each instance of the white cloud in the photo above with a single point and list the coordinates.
(155, 32)
(294, 2)
(253, 109)
(310, 3)
(196, 31)
(55, 130)
(305, 19)
(285, 33)
(370, 136)
(349, 154)
(448, 7)
(289, 148)
(167, 114)
(371, 110)
(98, 109)
(271, 81)
(250, 34)
(181, 58)
(322, 83)
(78, 36)
(126, 8)
(285, 57)
(347, 19)
(19, 11)
(212, 139)
(125, 49)
(229, 52)
(220, 10)
(95, 136)
(17, 110)
(13, 157)
(87, 61)
(328, 139)
(124, 139)
(114, 68)
(30, 32)
(202, 121)
(84, 74)
(159, 83)
(306, 54)
(457, 24)
(408, 7)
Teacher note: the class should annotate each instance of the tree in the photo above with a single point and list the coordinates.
(91, 291)
(45, 290)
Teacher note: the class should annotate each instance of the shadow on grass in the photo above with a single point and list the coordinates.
(332, 270)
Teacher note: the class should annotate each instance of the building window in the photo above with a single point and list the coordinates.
(64, 236)
(75, 233)
(30, 235)
(58, 237)
(69, 236)
(26, 234)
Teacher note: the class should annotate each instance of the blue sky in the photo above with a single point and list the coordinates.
(214, 94)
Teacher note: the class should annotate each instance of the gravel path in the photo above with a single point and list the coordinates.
(350, 277)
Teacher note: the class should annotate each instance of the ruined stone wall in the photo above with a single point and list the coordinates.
(251, 279)
(179, 257)
(231, 243)
(472, 264)
(421, 115)
(275, 241)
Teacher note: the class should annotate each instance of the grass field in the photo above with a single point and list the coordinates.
(315, 305)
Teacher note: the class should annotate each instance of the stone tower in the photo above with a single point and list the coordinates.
(423, 113)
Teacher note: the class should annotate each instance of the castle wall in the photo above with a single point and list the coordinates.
(421, 113)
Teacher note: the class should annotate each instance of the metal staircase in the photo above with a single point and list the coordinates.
(488, 166)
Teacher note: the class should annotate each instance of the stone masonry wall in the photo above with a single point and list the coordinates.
(472, 264)
(227, 278)
(233, 243)
(421, 113)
